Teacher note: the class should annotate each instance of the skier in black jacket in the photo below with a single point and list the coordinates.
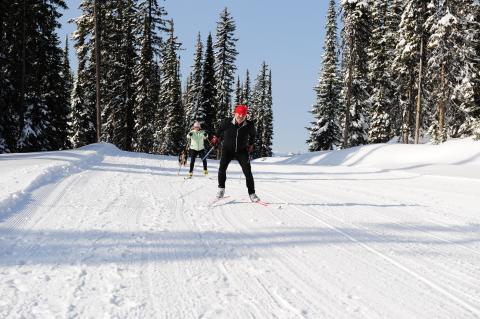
(238, 136)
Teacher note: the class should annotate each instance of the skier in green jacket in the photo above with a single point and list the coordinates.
(197, 138)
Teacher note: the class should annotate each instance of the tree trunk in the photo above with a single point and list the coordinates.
(418, 117)
(97, 69)
(346, 132)
(23, 75)
(441, 104)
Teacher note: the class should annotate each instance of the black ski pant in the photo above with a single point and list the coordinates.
(243, 160)
(193, 155)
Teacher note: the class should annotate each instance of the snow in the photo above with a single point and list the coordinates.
(378, 231)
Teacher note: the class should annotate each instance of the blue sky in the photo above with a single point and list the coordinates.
(288, 37)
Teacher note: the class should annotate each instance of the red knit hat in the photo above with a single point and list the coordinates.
(241, 109)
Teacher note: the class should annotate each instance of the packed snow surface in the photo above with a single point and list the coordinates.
(379, 231)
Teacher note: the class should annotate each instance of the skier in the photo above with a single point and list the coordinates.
(238, 136)
(197, 137)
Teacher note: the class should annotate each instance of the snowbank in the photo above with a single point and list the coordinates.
(458, 157)
(22, 173)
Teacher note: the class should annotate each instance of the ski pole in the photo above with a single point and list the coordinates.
(208, 153)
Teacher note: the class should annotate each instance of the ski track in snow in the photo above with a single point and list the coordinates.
(123, 236)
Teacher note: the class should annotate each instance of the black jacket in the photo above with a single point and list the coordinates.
(236, 137)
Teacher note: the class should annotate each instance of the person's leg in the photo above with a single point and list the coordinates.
(242, 158)
(222, 169)
(193, 154)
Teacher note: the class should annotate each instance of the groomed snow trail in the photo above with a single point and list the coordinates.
(123, 236)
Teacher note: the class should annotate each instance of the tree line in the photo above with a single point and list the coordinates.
(143, 105)
(404, 69)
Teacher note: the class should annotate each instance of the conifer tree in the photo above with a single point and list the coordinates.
(209, 92)
(246, 91)
(324, 131)
(409, 57)
(83, 111)
(198, 113)
(119, 97)
(267, 138)
(147, 73)
(238, 92)
(356, 37)
(392, 37)
(5, 76)
(258, 109)
(172, 109)
(469, 88)
(42, 85)
(63, 116)
(380, 57)
(187, 102)
(225, 56)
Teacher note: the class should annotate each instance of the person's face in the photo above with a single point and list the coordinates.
(240, 118)
(196, 128)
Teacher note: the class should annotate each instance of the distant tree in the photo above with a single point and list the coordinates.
(261, 112)
(246, 91)
(238, 92)
(198, 112)
(408, 66)
(267, 139)
(62, 119)
(325, 130)
(147, 73)
(171, 110)
(118, 97)
(380, 58)
(208, 94)
(225, 55)
(355, 91)
(36, 77)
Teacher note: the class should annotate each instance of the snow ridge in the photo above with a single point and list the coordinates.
(91, 155)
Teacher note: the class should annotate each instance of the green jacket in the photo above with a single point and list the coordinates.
(196, 139)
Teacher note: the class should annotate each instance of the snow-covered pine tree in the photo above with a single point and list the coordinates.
(238, 92)
(257, 109)
(63, 120)
(198, 113)
(325, 130)
(473, 110)
(225, 55)
(394, 16)
(6, 77)
(83, 111)
(246, 91)
(267, 139)
(187, 102)
(469, 88)
(356, 38)
(408, 56)
(446, 57)
(380, 58)
(147, 73)
(209, 92)
(173, 132)
(119, 95)
(42, 84)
